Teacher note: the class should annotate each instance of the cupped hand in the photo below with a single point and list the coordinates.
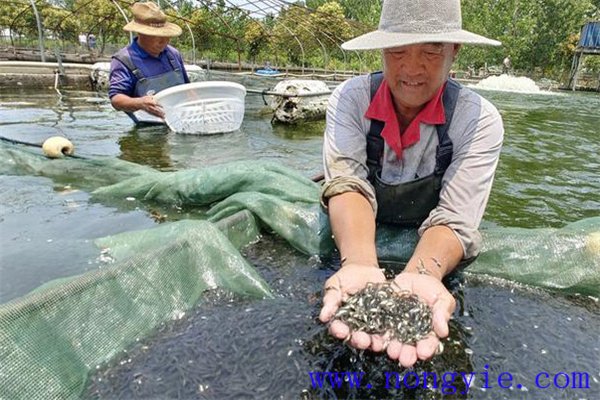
(350, 279)
(149, 104)
(433, 292)
(353, 278)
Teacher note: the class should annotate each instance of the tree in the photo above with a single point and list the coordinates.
(534, 33)
(366, 12)
(330, 27)
(292, 34)
(103, 19)
(257, 39)
(539, 35)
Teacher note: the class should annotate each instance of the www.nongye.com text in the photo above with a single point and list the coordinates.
(446, 382)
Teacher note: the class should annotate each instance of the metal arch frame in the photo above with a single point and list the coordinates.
(279, 3)
(40, 30)
(271, 4)
(12, 24)
(299, 43)
(125, 17)
(193, 42)
(325, 54)
(187, 25)
(291, 33)
(333, 40)
(56, 28)
(204, 2)
(357, 53)
(302, 24)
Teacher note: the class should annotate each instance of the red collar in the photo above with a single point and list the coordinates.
(382, 109)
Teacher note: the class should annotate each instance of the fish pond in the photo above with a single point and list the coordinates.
(230, 347)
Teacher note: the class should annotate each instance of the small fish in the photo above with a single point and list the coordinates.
(380, 309)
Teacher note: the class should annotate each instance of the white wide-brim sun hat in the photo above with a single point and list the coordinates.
(405, 22)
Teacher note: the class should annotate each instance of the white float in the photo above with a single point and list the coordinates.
(57, 147)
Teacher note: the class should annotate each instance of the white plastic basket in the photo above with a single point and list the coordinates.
(203, 107)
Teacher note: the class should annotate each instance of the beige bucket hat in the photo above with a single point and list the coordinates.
(405, 22)
(148, 19)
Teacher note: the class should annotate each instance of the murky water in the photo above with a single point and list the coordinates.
(549, 171)
(549, 175)
(232, 349)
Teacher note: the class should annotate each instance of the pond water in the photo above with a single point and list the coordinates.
(548, 176)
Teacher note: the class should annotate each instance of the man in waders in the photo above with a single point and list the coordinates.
(147, 65)
(412, 148)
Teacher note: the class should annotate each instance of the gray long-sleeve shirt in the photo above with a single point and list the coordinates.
(476, 132)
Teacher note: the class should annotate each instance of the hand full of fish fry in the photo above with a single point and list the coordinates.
(353, 278)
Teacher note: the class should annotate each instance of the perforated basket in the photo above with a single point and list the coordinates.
(203, 107)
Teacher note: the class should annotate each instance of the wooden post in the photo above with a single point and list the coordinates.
(574, 71)
(576, 74)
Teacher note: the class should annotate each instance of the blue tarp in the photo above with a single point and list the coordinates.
(590, 36)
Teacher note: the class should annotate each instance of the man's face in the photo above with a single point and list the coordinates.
(153, 44)
(414, 73)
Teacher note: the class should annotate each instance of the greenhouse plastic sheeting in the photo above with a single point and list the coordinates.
(51, 338)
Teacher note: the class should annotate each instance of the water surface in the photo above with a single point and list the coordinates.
(548, 176)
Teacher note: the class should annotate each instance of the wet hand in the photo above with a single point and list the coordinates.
(347, 281)
(149, 104)
(433, 292)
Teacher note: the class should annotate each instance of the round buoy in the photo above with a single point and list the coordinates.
(57, 147)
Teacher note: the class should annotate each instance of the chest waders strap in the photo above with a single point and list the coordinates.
(173, 62)
(124, 57)
(375, 143)
(409, 203)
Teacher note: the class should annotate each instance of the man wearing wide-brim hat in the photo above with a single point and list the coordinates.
(147, 65)
(411, 148)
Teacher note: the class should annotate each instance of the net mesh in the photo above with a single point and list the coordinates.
(51, 338)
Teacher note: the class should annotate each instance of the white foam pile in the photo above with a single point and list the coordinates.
(509, 83)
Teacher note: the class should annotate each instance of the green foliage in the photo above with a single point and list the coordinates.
(539, 35)
(103, 20)
(257, 39)
(13, 16)
(292, 35)
(367, 12)
(536, 33)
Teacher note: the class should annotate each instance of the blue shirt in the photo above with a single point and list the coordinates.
(122, 80)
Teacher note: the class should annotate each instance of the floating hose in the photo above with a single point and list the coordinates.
(56, 77)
